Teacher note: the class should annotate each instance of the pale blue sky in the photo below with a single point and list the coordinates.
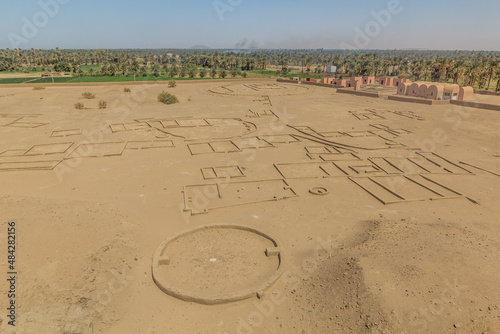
(304, 24)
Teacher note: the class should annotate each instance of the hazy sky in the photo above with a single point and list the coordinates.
(297, 24)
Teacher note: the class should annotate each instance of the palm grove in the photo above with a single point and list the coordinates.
(480, 69)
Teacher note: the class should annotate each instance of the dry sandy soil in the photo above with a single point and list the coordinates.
(18, 75)
(403, 237)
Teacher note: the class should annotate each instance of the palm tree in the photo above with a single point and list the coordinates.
(135, 67)
(325, 62)
(493, 65)
(174, 71)
(440, 66)
(472, 71)
(213, 72)
(497, 77)
(418, 69)
(265, 62)
(193, 71)
(302, 62)
(235, 72)
(386, 63)
(427, 69)
(183, 72)
(222, 73)
(376, 65)
(457, 68)
(203, 73)
(284, 64)
(309, 62)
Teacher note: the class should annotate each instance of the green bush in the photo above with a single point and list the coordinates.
(103, 104)
(126, 90)
(172, 83)
(167, 98)
(88, 95)
(79, 106)
(38, 88)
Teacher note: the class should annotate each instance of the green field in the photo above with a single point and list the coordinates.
(14, 80)
(255, 74)
(86, 79)
(87, 67)
(49, 80)
(303, 75)
(28, 70)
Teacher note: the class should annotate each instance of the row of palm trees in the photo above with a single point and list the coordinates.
(135, 69)
(479, 69)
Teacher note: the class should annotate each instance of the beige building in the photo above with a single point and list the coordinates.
(386, 81)
(397, 81)
(402, 88)
(413, 89)
(466, 93)
(451, 92)
(340, 82)
(369, 80)
(436, 91)
(356, 84)
(422, 89)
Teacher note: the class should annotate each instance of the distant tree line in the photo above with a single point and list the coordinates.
(475, 68)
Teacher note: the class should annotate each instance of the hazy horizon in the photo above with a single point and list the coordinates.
(258, 24)
(229, 49)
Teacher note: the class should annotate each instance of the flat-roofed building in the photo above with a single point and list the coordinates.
(368, 80)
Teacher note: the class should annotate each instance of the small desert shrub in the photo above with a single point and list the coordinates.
(172, 83)
(88, 95)
(167, 98)
(79, 106)
(38, 88)
(103, 104)
(126, 90)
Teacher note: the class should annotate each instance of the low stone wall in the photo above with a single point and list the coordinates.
(357, 92)
(485, 92)
(308, 83)
(288, 81)
(325, 85)
(402, 98)
(477, 105)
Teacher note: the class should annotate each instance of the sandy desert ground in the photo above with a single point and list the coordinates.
(260, 207)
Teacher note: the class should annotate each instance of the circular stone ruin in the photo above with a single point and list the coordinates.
(217, 264)
(319, 191)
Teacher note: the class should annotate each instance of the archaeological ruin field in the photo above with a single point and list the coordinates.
(251, 206)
